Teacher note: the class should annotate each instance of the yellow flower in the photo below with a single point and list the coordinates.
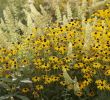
(107, 72)
(70, 35)
(54, 78)
(99, 28)
(7, 66)
(34, 30)
(91, 93)
(25, 90)
(107, 87)
(81, 85)
(53, 59)
(67, 59)
(78, 65)
(48, 80)
(67, 67)
(87, 59)
(73, 56)
(79, 94)
(106, 59)
(55, 66)
(63, 83)
(1, 59)
(86, 69)
(39, 87)
(97, 35)
(45, 66)
(92, 72)
(96, 65)
(13, 52)
(100, 81)
(38, 61)
(105, 68)
(87, 75)
(101, 84)
(61, 49)
(25, 61)
(35, 79)
(86, 82)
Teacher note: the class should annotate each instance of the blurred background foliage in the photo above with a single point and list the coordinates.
(49, 5)
(3, 4)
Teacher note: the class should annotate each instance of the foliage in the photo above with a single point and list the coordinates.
(64, 59)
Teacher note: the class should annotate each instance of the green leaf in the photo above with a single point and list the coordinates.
(22, 97)
(6, 79)
(4, 85)
(5, 97)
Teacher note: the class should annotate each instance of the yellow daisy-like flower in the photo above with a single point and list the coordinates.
(54, 78)
(53, 59)
(55, 66)
(25, 90)
(106, 59)
(101, 84)
(35, 79)
(25, 61)
(81, 85)
(39, 87)
(63, 83)
(96, 65)
(45, 66)
(48, 80)
(91, 93)
(86, 69)
(87, 75)
(38, 61)
(67, 59)
(86, 59)
(87, 81)
(107, 72)
(67, 67)
(79, 94)
(78, 65)
(70, 35)
(107, 87)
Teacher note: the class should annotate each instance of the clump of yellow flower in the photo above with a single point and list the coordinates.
(47, 53)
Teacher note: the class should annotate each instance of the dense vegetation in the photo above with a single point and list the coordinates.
(55, 52)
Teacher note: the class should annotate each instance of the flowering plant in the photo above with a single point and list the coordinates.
(59, 62)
